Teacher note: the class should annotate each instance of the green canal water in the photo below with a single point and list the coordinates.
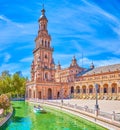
(25, 119)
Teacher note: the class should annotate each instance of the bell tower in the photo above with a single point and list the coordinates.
(43, 67)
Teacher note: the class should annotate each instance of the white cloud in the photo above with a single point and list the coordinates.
(3, 18)
(110, 61)
(27, 59)
(12, 32)
(25, 47)
(26, 72)
(7, 57)
(95, 9)
(86, 62)
(12, 67)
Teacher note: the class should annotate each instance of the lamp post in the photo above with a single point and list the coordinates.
(61, 91)
(96, 105)
(61, 96)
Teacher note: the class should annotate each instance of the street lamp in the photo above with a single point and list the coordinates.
(96, 105)
(61, 96)
(61, 91)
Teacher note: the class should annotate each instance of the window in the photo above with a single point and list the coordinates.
(44, 26)
(45, 44)
(46, 67)
(45, 56)
(42, 42)
(48, 44)
(46, 75)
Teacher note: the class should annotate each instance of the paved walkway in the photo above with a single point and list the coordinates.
(105, 105)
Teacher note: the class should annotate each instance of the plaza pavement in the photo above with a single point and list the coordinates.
(107, 106)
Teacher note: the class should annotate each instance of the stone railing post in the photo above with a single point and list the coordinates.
(113, 116)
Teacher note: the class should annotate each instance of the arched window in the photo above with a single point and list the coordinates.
(48, 44)
(42, 42)
(44, 26)
(46, 75)
(45, 44)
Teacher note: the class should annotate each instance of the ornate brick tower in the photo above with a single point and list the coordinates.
(43, 67)
(43, 84)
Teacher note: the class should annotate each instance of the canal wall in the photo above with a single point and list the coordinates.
(105, 122)
(6, 119)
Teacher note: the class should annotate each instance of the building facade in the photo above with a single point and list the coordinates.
(52, 82)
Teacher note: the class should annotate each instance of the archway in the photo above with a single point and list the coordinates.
(49, 93)
(90, 89)
(39, 95)
(58, 95)
(72, 89)
(84, 89)
(78, 89)
(114, 88)
(33, 94)
(30, 93)
(105, 88)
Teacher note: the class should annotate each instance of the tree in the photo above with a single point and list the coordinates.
(4, 102)
(14, 84)
(19, 73)
(5, 73)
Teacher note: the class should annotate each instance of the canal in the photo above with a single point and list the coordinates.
(25, 119)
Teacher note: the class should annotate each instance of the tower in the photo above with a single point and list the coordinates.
(58, 66)
(43, 66)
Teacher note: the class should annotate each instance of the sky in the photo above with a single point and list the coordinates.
(86, 29)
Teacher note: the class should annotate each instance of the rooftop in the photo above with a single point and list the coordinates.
(102, 69)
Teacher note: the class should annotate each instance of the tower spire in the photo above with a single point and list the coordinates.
(43, 5)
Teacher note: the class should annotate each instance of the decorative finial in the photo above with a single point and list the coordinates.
(43, 3)
(43, 10)
(92, 65)
(74, 57)
(58, 62)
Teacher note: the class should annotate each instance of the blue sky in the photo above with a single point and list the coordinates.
(88, 27)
